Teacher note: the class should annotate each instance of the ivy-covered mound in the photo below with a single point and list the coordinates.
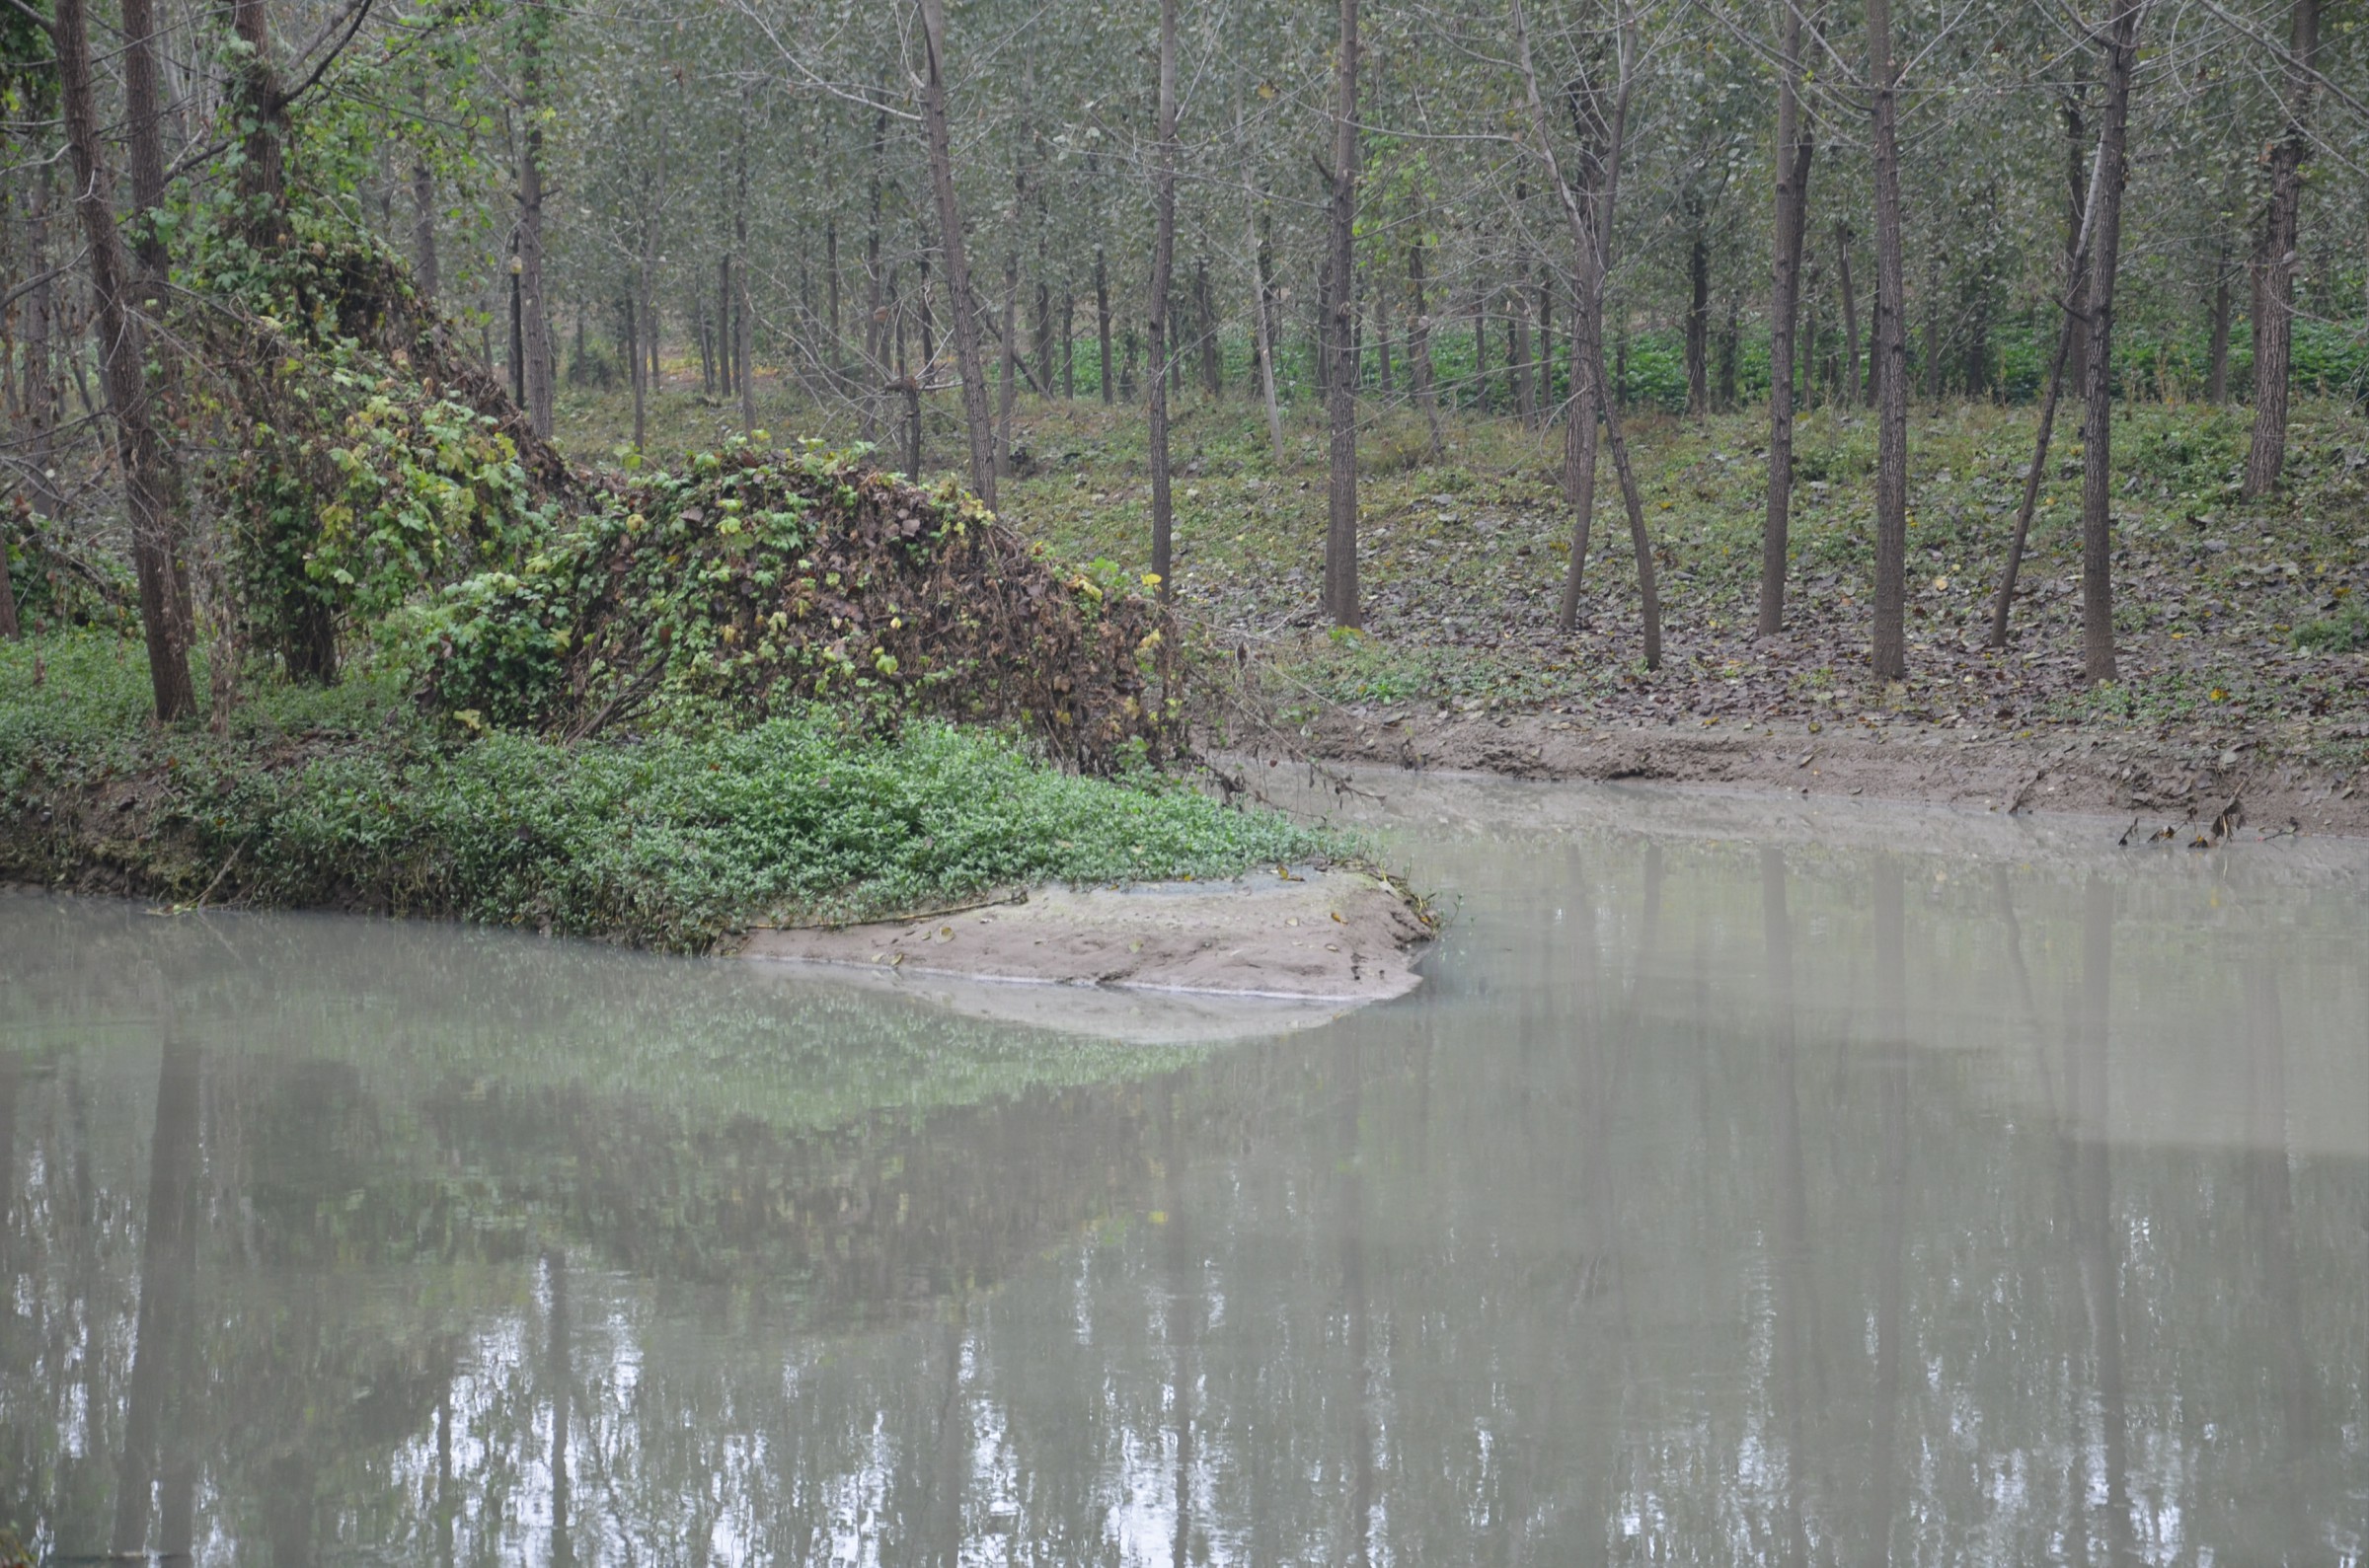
(388, 486)
(755, 582)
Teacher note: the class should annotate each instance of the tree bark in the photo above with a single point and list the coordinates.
(123, 360)
(1795, 148)
(2121, 50)
(1891, 357)
(2216, 373)
(744, 326)
(1852, 392)
(1341, 531)
(1588, 213)
(261, 110)
(145, 154)
(1698, 320)
(1163, 255)
(533, 319)
(2080, 177)
(973, 366)
(425, 269)
(2274, 260)
(1102, 322)
(1261, 322)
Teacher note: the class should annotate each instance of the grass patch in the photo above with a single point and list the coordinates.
(351, 799)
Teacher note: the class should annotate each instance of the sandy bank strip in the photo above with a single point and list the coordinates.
(1336, 936)
(2163, 782)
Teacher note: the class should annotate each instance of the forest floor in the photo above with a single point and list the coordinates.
(2243, 633)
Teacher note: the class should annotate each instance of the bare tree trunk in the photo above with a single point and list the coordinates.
(1891, 357)
(123, 360)
(2216, 374)
(534, 322)
(425, 270)
(1795, 148)
(1263, 336)
(876, 314)
(1163, 255)
(744, 326)
(2274, 261)
(1007, 385)
(41, 393)
(1698, 318)
(1545, 292)
(1590, 225)
(638, 369)
(1341, 531)
(2121, 48)
(2073, 330)
(1102, 322)
(1204, 309)
(2080, 178)
(1852, 392)
(974, 366)
(1418, 345)
(145, 149)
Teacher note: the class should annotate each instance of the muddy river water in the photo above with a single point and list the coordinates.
(1742, 1186)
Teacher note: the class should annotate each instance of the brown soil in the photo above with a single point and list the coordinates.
(2183, 790)
(1323, 935)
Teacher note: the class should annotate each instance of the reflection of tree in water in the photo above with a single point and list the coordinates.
(1626, 1244)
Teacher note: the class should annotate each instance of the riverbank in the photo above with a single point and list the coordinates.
(2188, 790)
(356, 798)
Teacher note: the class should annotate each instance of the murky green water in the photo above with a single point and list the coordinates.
(1741, 1188)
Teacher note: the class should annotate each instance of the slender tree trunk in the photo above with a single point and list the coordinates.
(2216, 374)
(123, 360)
(1544, 358)
(1204, 308)
(2274, 260)
(1040, 339)
(1261, 322)
(725, 383)
(875, 313)
(1069, 345)
(145, 148)
(2080, 168)
(1842, 273)
(639, 370)
(974, 366)
(2073, 330)
(1102, 323)
(1341, 531)
(43, 399)
(1732, 342)
(1007, 385)
(2121, 50)
(2004, 603)
(834, 363)
(425, 270)
(1795, 148)
(1588, 213)
(1163, 255)
(1418, 345)
(1891, 357)
(534, 321)
(1480, 387)
(744, 335)
(1698, 322)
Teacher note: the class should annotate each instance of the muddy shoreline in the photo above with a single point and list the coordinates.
(2183, 787)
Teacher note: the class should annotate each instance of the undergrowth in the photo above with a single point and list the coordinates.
(352, 797)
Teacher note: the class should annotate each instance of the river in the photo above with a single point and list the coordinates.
(1742, 1186)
